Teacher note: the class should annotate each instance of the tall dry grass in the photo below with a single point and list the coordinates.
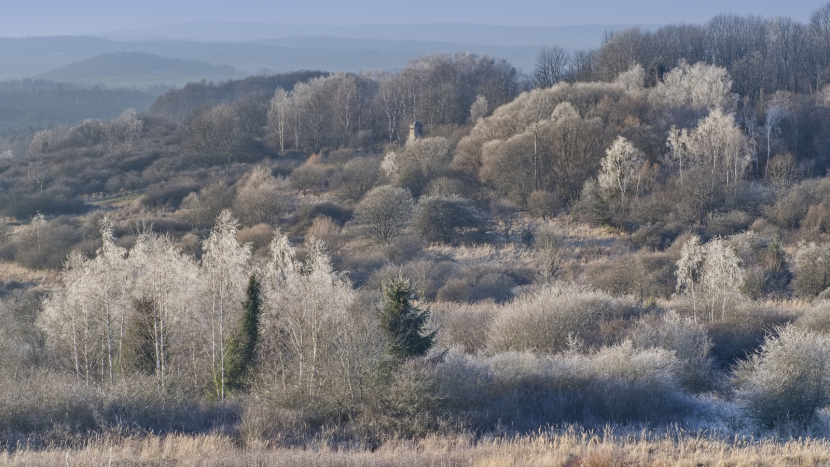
(570, 447)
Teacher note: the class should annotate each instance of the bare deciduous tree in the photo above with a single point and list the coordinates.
(384, 212)
(552, 65)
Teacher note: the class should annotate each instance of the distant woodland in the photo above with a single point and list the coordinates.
(632, 236)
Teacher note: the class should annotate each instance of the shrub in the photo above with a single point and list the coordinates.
(744, 331)
(787, 380)
(811, 268)
(201, 209)
(463, 326)
(524, 391)
(547, 319)
(543, 204)
(45, 244)
(551, 251)
(311, 177)
(816, 318)
(687, 339)
(442, 219)
(384, 212)
(474, 284)
(358, 176)
(259, 198)
(644, 274)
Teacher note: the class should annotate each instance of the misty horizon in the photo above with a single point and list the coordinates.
(96, 17)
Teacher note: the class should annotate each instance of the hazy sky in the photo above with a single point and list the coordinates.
(52, 17)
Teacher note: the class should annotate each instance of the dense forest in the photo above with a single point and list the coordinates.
(633, 236)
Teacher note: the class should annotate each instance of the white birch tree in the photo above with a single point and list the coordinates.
(306, 324)
(711, 272)
(620, 166)
(225, 266)
(165, 281)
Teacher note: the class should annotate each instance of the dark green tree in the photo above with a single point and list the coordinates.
(242, 345)
(403, 325)
(140, 339)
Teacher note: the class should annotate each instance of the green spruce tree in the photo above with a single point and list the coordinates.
(242, 345)
(403, 325)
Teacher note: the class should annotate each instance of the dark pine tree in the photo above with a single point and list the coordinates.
(404, 326)
(242, 345)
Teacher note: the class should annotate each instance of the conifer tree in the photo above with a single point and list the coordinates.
(403, 325)
(243, 342)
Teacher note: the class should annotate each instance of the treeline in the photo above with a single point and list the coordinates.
(341, 109)
(763, 55)
(30, 105)
(177, 104)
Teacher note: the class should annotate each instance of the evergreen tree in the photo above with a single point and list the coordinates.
(404, 326)
(242, 345)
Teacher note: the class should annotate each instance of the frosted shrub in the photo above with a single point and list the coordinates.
(787, 380)
(543, 320)
(620, 383)
(462, 326)
(816, 318)
(811, 268)
(681, 335)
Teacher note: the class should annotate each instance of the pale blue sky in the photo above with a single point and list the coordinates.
(53, 17)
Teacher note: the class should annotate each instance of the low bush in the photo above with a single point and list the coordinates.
(524, 391)
(787, 380)
(548, 319)
(687, 339)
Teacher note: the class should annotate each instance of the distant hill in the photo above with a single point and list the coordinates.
(136, 65)
(569, 37)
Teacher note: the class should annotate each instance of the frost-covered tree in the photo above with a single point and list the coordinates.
(258, 197)
(384, 212)
(114, 279)
(84, 317)
(344, 103)
(125, 129)
(715, 142)
(479, 109)
(633, 79)
(710, 273)
(690, 269)
(279, 113)
(167, 286)
(620, 166)
(73, 329)
(225, 265)
(306, 323)
(700, 86)
(811, 268)
(723, 276)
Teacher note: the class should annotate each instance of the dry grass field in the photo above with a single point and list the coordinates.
(568, 448)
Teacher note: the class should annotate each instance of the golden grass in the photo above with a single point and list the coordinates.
(15, 272)
(568, 449)
(118, 200)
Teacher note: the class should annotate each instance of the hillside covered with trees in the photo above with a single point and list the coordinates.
(635, 237)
